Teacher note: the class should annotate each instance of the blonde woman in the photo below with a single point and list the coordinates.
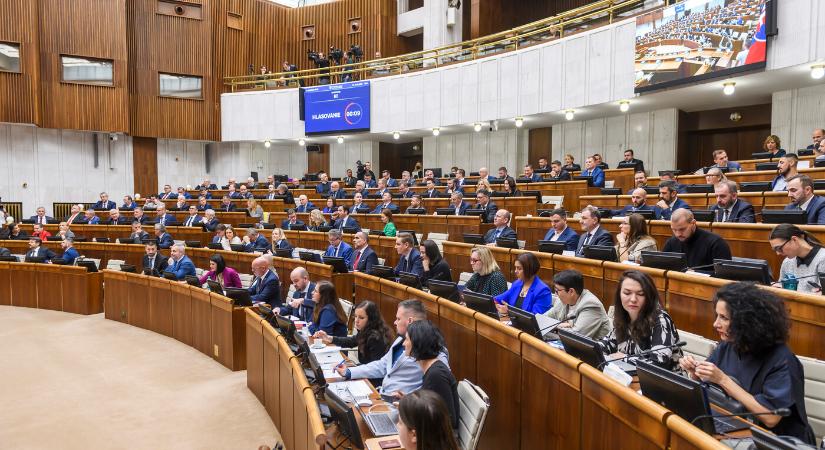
(484, 184)
(633, 238)
(487, 277)
(715, 176)
(255, 210)
(279, 240)
(230, 238)
(316, 220)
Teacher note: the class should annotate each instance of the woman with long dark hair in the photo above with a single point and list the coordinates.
(803, 254)
(752, 362)
(226, 276)
(373, 338)
(640, 323)
(633, 238)
(328, 315)
(424, 343)
(424, 423)
(435, 267)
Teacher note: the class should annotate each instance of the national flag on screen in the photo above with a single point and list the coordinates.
(756, 53)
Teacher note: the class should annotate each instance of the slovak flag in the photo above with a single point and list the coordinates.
(757, 50)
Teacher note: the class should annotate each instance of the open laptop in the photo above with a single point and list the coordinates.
(380, 423)
(239, 296)
(589, 351)
(480, 302)
(214, 286)
(192, 280)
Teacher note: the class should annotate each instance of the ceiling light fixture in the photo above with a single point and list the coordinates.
(624, 105)
(818, 71)
(436, 131)
(302, 142)
(519, 122)
(267, 144)
(340, 139)
(729, 88)
(569, 114)
(477, 127)
(396, 135)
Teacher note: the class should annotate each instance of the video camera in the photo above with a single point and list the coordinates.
(313, 56)
(336, 54)
(357, 52)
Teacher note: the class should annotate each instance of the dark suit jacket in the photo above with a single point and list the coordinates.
(79, 219)
(602, 237)
(260, 244)
(490, 212)
(564, 176)
(414, 266)
(408, 194)
(351, 222)
(742, 212)
(168, 220)
(266, 289)
(392, 207)
(664, 214)
(322, 187)
(506, 232)
(165, 241)
(182, 268)
(171, 196)
(285, 224)
(227, 208)
(597, 174)
(138, 238)
(143, 219)
(431, 194)
(462, 209)
(42, 251)
(120, 221)
(211, 225)
(160, 263)
(629, 209)
(48, 219)
(367, 260)
(196, 222)
(339, 194)
(108, 205)
(568, 236)
(816, 210)
(305, 208)
(304, 311)
(344, 251)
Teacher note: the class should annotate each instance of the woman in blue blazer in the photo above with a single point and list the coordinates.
(328, 315)
(528, 292)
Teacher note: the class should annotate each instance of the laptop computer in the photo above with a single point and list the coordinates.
(380, 423)
(214, 286)
(192, 280)
(589, 351)
(239, 296)
(480, 302)
(338, 264)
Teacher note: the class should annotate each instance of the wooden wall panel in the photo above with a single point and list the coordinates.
(92, 28)
(18, 91)
(145, 163)
(492, 16)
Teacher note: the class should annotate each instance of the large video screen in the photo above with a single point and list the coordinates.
(699, 39)
(337, 108)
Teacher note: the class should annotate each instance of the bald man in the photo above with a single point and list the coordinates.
(266, 287)
(700, 246)
(638, 202)
(301, 304)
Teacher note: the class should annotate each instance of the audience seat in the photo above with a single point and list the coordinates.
(246, 280)
(556, 200)
(474, 404)
(114, 264)
(464, 277)
(381, 261)
(697, 346)
(815, 393)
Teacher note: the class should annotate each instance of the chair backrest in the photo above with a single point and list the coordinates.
(814, 393)
(697, 346)
(114, 264)
(246, 280)
(474, 404)
(348, 307)
(464, 277)
(556, 200)
(438, 236)
(381, 261)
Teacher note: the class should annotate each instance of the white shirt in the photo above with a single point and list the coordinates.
(804, 206)
(557, 234)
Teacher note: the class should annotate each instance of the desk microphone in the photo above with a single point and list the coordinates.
(644, 353)
(782, 412)
(705, 266)
(556, 325)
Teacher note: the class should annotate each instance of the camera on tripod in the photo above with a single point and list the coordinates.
(336, 54)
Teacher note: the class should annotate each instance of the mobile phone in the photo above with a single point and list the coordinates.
(814, 285)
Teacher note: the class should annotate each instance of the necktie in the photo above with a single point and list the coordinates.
(337, 249)
(587, 239)
(357, 258)
(725, 215)
(189, 222)
(498, 233)
(152, 262)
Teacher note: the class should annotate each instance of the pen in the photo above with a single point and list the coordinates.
(341, 363)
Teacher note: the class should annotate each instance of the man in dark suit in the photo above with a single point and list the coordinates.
(301, 304)
(801, 193)
(404, 190)
(164, 239)
(137, 215)
(640, 181)
(729, 207)
(304, 205)
(593, 234)
(364, 257)
(557, 173)
(409, 259)
(560, 232)
(415, 204)
(337, 247)
(128, 203)
(153, 260)
(638, 202)
(358, 205)
(817, 137)
(244, 192)
(323, 185)
(431, 192)
(183, 194)
(254, 241)
(41, 217)
(266, 288)
(91, 218)
(209, 221)
(530, 174)
(382, 188)
(344, 220)
(458, 204)
(501, 230)
(630, 159)
(115, 218)
(163, 218)
(388, 179)
(203, 205)
(104, 202)
(138, 236)
(167, 193)
(669, 200)
(484, 203)
(193, 219)
(232, 192)
(180, 264)
(76, 216)
(226, 204)
(207, 185)
(336, 192)
(291, 222)
(37, 250)
(386, 202)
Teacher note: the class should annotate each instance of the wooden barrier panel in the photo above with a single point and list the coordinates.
(689, 302)
(391, 295)
(613, 271)
(684, 436)
(591, 270)
(286, 395)
(23, 285)
(201, 317)
(272, 374)
(49, 287)
(228, 338)
(457, 255)
(181, 313)
(316, 434)
(254, 354)
(458, 325)
(160, 306)
(5, 284)
(616, 414)
(299, 407)
(367, 287)
(807, 315)
(117, 296)
(139, 304)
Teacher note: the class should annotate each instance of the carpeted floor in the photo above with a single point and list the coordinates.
(82, 382)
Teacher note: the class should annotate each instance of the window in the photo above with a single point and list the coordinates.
(79, 69)
(9, 57)
(184, 86)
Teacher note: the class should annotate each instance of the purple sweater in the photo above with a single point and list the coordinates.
(230, 277)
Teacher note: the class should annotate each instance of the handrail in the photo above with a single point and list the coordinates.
(479, 47)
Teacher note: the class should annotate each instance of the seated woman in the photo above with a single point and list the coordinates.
(435, 267)
(511, 189)
(773, 146)
(528, 292)
(328, 315)
(715, 176)
(752, 362)
(374, 336)
(289, 199)
(640, 323)
(330, 207)
(483, 183)
(389, 225)
(279, 240)
(487, 278)
(633, 238)
(255, 210)
(570, 164)
(804, 257)
(226, 276)
(423, 343)
(424, 423)
(316, 220)
(229, 238)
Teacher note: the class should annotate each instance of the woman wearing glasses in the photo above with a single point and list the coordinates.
(803, 254)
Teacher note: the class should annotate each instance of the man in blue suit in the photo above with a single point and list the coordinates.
(386, 202)
(363, 256)
(729, 207)
(560, 232)
(404, 190)
(167, 193)
(458, 204)
(91, 218)
(720, 158)
(801, 193)
(183, 194)
(69, 252)
(323, 183)
(210, 222)
(337, 247)
(104, 202)
(485, 173)
(669, 200)
(484, 203)
(638, 202)
(291, 222)
(369, 182)
(382, 188)
(336, 192)
(388, 180)
(592, 170)
(344, 219)
(254, 241)
(163, 238)
(530, 175)
(300, 304)
(266, 288)
(501, 230)
(305, 205)
(593, 234)
(193, 219)
(163, 218)
(409, 259)
(180, 264)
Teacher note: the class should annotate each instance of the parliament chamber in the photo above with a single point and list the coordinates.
(275, 183)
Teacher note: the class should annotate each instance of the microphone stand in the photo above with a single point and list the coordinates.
(551, 328)
(782, 412)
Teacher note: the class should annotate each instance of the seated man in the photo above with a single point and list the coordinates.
(360, 188)
(254, 241)
(502, 229)
(70, 254)
(336, 192)
(700, 246)
(543, 164)
(266, 288)
(40, 232)
(557, 173)
(323, 185)
(484, 173)
(163, 218)
(817, 137)
(484, 203)
(128, 203)
(801, 193)
(220, 233)
(227, 205)
(138, 236)
(388, 179)
(180, 205)
(404, 190)
(91, 218)
(786, 169)
(431, 191)
(137, 215)
(206, 184)
(669, 176)
(232, 192)
(386, 202)
(382, 188)
(115, 218)
(592, 170)
(209, 221)
(409, 258)
(271, 192)
(530, 175)
(179, 263)
(364, 257)
(344, 219)
(458, 204)
(153, 260)
(304, 205)
(292, 221)
(669, 200)
(729, 207)
(36, 250)
(244, 192)
(720, 159)
(639, 180)
(629, 158)
(193, 219)
(104, 202)
(41, 217)
(183, 194)
(638, 202)
(503, 175)
(400, 373)
(163, 238)
(593, 234)
(600, 162)
(358, 205)
(300, 304)
(369, 183)
(337, 247)
(589, 317)
(167, 193)
(415, 204)
(560, 232)
(76, 217)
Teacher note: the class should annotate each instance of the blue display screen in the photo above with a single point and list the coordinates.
(337, 108)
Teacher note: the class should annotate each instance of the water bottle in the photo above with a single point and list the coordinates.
(790, 282)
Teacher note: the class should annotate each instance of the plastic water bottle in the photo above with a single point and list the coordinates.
(790, 282)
